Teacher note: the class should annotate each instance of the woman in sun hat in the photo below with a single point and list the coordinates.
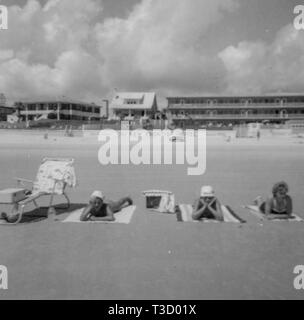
(99, 210)
(207, 206)
(279, 204)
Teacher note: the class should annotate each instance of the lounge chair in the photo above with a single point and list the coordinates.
(53, 175)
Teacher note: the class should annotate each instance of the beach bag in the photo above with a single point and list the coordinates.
(160, 200)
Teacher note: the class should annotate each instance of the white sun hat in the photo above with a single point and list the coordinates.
(207, 191)
(97, 194)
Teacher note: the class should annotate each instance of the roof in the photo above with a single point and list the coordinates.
(61, 99)
(147, 98)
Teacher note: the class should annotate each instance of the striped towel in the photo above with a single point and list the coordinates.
(257, 212)
(124, 216)
(229, 215)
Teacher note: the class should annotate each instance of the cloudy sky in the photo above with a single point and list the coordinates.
(84, 49)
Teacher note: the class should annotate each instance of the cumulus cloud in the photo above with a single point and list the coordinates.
(258, 67)
(64, 48)
(67, 48)
(160, 45)
(47, 51)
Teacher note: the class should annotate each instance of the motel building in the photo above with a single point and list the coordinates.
(234, 110)
(133, 105)
(58, 109)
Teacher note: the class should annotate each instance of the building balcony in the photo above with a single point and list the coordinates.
(239, 117)
(34, 112)
(65, 112)
(234, 106)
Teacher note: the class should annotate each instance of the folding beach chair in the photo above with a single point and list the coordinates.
(53, 175)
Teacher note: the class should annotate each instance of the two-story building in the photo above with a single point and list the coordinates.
(217, 110)
(59, 109)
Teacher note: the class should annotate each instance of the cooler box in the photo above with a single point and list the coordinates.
(12, 195)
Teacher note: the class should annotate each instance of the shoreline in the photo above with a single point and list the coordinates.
(57, 137)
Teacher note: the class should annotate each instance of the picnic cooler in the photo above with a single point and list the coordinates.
(12, 195)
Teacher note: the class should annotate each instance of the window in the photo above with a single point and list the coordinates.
(132, 101)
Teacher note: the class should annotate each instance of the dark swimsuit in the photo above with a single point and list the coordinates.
(207, 214)
(102, 212)
(273, 210)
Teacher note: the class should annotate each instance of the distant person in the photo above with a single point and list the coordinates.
(258, 135)
(278, 205)
(98, 210)
(207, 206)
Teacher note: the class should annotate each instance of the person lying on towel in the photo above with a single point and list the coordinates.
(207, 206)
(98, 210)
(277, 206)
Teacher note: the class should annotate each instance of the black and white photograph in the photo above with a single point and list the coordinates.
(151, 150)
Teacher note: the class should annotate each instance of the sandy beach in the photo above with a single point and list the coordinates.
(156, 257)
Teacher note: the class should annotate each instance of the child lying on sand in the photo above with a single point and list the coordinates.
(277, 206)
(207, 206)
(98, 210)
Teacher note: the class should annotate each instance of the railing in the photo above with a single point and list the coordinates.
(65, 112)
(236, 106)
(238, 116)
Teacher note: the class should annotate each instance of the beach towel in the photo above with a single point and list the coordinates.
(229, 215)
(257, 212)
(160, 201)
(124, 216)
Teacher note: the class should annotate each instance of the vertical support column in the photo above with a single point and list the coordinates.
(26, 113)
(58, 110)
(37, 110)
(71, 111)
